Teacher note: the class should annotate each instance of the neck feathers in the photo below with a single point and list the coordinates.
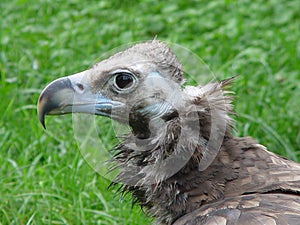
(187, 139)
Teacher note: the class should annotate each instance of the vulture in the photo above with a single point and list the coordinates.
(180, 159)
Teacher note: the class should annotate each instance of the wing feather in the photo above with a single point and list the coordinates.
(252, 209)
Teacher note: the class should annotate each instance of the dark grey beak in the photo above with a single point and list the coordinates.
(72, 94)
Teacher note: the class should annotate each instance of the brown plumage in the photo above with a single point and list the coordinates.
(180, 162)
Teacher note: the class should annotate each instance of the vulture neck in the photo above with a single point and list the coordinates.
(168, 197)
(193, 177)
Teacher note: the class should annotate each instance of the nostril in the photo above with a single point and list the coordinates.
(80, 86)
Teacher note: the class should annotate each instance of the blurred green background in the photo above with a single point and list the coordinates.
(44, 179)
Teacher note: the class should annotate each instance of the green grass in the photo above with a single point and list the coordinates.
(44, 179)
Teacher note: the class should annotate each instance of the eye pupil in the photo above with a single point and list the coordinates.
(123, 80)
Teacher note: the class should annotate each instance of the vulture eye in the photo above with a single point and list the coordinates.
(124, 80)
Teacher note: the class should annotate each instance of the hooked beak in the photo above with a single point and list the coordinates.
(72, 94)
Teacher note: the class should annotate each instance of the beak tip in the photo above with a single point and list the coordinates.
(41, 117)
(43, 123)
(41, 112)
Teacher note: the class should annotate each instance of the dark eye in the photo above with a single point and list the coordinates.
(124, 80)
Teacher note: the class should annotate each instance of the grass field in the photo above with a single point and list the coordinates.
(44, 179)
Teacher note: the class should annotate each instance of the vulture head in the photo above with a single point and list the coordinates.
(131, 87)
(174, 127)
